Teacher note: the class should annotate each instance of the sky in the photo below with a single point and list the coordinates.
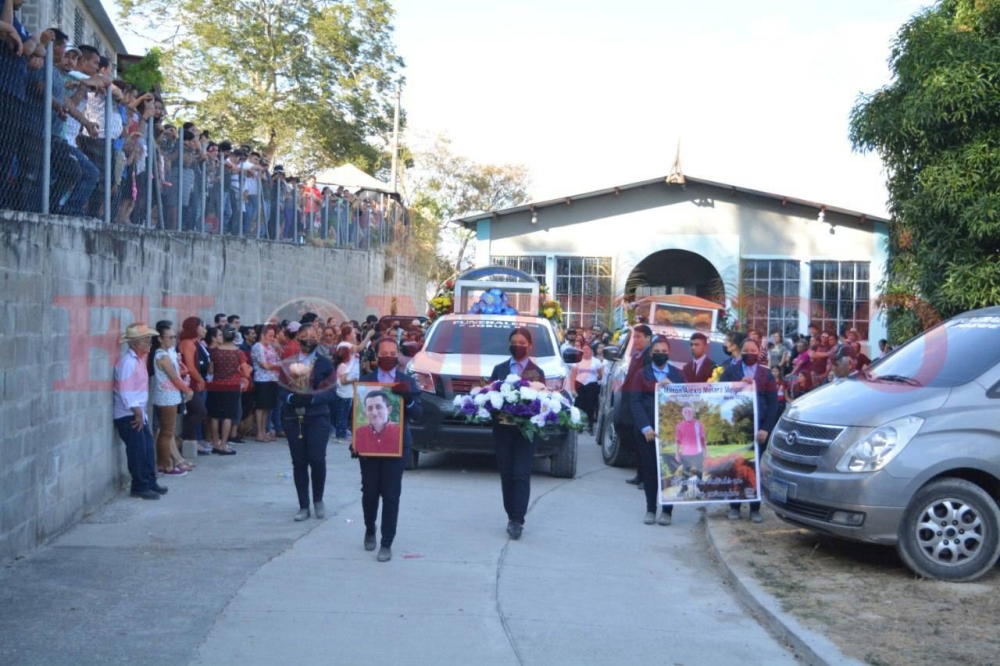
(589, 94)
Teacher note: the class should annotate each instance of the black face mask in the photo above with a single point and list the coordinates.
(307, 345)
(387, 363)
(660, 358)
(518, 352)
(750, 359)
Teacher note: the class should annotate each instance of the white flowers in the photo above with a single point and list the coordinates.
(538, 419)
(574, 415)
(496, 400)
(528, 393)
(512, 379)
(481, 399)
(459, 401)
(483, 414)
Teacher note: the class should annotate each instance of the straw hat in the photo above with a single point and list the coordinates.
(137, 331)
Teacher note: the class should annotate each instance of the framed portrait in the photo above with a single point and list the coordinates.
(378, 421)
(707, 443)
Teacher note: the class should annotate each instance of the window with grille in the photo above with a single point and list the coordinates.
(770, 296)
(841, 295)
(78, 25)
(57, 13)
(584, 289)
(532, 265)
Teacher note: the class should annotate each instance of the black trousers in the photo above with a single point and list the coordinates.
(627, 440)
(194, 416)
(382, 478)
(649, 470)
(308, 449)
(515, 455)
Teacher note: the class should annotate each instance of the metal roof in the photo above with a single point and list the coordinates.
(472, 218)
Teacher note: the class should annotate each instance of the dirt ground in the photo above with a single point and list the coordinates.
(863, 598)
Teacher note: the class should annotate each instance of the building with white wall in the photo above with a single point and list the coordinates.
(775, 261)
(85, 21)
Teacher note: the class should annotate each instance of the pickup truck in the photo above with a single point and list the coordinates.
(459, 353)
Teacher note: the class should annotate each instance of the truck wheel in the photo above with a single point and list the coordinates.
(413, 460)
(950, 531)
(612, 451)
(563, 464)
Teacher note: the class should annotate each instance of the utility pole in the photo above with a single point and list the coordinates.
(395, 143)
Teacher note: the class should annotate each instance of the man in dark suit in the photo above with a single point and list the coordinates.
(699, 369)
(643, 406)
(750, 370)
(641, 335)
(514, 452)
(305, 415)
(382, 478)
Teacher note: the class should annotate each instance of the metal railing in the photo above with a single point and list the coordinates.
(139, 176)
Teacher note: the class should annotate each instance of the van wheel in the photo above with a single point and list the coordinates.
(950, 531)
(563, 464)
(413, 460)
(612, 451)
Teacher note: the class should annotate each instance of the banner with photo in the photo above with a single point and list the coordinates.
(706, 438)
(378, 421)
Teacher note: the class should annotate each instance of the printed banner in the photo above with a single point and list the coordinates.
(378, 419)
(707, 440)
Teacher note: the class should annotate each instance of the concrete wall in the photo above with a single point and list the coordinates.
(68, 289)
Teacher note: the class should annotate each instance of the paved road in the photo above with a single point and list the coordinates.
(217, 573)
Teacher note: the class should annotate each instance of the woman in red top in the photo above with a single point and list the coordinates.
(224, 388)
(194, 357)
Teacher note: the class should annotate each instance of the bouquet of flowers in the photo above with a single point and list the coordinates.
(444, 302)
(528, 405)
(552, 311)
(716, 374)
(493, 301)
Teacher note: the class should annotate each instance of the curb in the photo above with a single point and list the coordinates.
(811, 647)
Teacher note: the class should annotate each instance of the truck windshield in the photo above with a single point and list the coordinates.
(948, 355)
(486, 337)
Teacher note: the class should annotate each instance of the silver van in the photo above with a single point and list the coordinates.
(907, 454)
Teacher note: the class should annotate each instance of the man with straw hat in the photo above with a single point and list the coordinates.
(131, 394)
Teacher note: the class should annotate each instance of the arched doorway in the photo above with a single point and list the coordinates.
(676, 272)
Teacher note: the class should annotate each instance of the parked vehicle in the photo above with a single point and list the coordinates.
(459, 353)
(907, 454)
(612, 451)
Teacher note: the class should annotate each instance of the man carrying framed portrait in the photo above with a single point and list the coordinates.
(385, 403)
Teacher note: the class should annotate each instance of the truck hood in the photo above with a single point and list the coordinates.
(858, 402)
(477, 365)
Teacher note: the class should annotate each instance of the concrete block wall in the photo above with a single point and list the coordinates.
(67, 290)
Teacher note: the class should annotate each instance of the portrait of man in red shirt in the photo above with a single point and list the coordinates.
(379, 436)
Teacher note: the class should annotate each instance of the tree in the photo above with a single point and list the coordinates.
(312, 80)
(936, 127)
(447, 186)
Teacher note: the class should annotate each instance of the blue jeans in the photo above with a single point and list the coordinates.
(139, 452)
(249, 215)
(85, 186)
(342, 420)
(275, 419)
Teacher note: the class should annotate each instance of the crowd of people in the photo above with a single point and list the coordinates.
(221, 379)
(197, 184)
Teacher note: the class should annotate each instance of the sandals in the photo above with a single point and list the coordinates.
(223, 452)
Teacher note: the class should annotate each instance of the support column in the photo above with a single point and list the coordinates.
(483, 243)
(805, 295)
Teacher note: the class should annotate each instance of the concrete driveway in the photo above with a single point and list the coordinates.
(217, 573)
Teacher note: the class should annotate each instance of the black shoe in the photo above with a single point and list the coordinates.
(370, 541)
(514, 530)
(635, 480)
(159, 490)
(384, 554)
(235, 440)
(146, 494)
(641, 486)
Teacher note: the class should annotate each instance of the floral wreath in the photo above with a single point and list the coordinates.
(493, 302)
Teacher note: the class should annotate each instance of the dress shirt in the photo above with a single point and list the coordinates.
(389, 378)
(749, 370)
(131, 386)
(517, 367)
(659, 374)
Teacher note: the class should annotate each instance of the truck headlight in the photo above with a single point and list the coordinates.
(425, 380)
(874, 451)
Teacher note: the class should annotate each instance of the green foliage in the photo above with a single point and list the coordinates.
(311, 80)
(937, 130)
(145, 74)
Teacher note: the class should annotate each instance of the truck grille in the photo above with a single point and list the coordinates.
(803, 443)
(805, 509)
(462, 385)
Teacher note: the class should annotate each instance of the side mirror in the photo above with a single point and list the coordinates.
(572, 356)
(611, 354)
(409, 349)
